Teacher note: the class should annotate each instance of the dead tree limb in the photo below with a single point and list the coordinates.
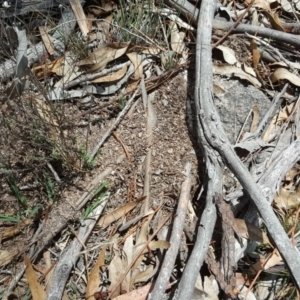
(70, 256)
(192, 13)
(214, 170)
(215, 136)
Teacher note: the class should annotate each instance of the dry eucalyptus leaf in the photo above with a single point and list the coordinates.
(13, 230)
(80, 17)
(274, 260)
(177, 38)
(249, 70)
(250, 231)
(113, 76)
(138, 294)
(116, 214)
(218, 90)
(47, 39)
(275, 21)
(7, 256)
(94, 277)
(286, 199)
(67, 69)
(151, 50)
(47, 68)
(260, 4)
(228, 54)
(283, 64)
(284, 74)
(265, 263)
(136, 60)
(206, 290)
(255, 119)
(160, 244)
(101, 57)
(255, 54)
(234, 71)
(37, 291)
(116, 269)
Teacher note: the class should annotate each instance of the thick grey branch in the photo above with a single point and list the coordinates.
(215, 136)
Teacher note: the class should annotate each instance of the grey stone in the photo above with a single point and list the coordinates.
(235, 104)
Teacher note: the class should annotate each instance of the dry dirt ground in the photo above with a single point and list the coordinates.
(171, 149)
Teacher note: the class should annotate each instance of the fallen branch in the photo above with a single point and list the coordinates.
(217, 139)
(170, 257)
(70, 256)
(192, 14)
(214, 166)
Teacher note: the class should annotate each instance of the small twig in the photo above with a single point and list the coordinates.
(117, 137)
(270, 112)
(170, 257)
(238, 21)
(151, 122)
(113, 126)
(56, 177)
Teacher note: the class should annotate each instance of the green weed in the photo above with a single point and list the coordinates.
(87, 162)
(136, 22)
(10, 219)
(49, 187)
(16, 192)
(99, 194)
(122, 102)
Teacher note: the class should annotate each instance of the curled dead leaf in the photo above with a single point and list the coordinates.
(235, 71)
(286, 199)
(116, 214)
(177, 38)
(36, 289)
(228, 54)
(112, 77)
(7, 256)
(284, 74)
(136, 59)
(101, 57)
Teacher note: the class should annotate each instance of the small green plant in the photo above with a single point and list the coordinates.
(27, 295)
(169, 60)
(17, 193)
(99, 194)
(87, 162)
(136, 22)
(49, 187)
(122, 102)
(55, 154)
(10, 219)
